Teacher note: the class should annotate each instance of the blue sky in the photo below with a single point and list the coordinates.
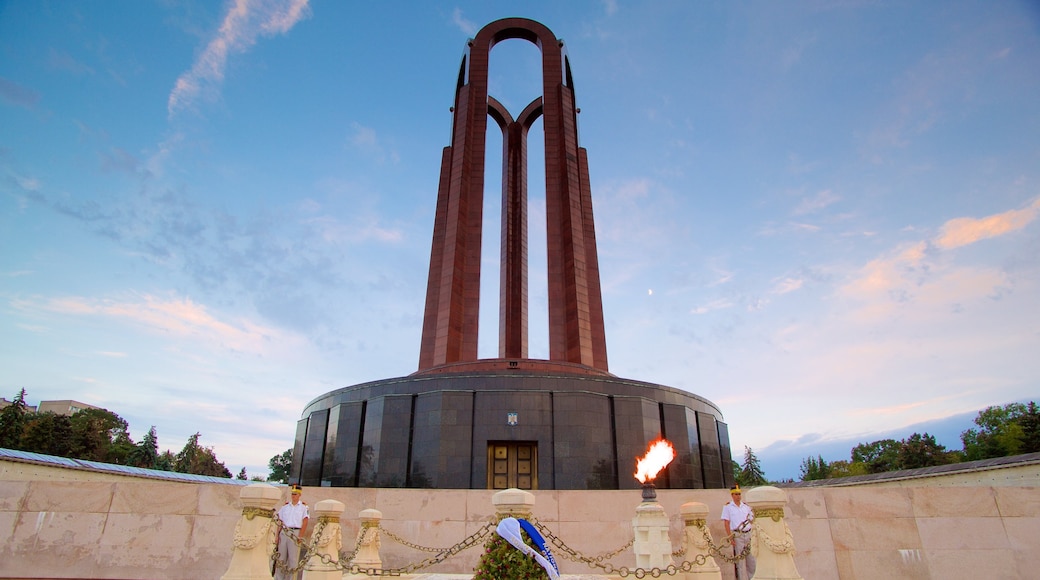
(822, 216)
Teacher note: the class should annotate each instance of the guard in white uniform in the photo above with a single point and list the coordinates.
(734, 514)
(294, 516)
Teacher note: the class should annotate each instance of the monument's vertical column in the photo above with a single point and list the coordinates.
(450, 327)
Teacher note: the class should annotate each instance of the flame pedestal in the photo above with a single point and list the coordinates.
(652, 547)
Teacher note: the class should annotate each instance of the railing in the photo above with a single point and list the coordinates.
(256, 535)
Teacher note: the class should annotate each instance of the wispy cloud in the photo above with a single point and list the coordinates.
(816, 202)
(720, 304)
(922, 269)
(963, 231)
(464, 24)
(244, 23)
(18, 95)
(176, 316)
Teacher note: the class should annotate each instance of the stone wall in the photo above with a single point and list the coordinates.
(137, 528)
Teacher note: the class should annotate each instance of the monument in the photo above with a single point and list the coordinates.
(510, 422)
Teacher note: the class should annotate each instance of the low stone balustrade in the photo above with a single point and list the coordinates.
(772, 543)
(326, 542)
(697, 542)
(254, 534)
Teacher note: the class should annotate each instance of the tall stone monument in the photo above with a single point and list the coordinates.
(510, 422)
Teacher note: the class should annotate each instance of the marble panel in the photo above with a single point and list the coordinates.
(868, 502)
(479, 508)
(604, 506)
(134, 541)
(157, 497)
(433, 505)
(1022, 537)
(595, 540)
(69, 540)
(210, 543)
(887, 564)
(220, 499)
(875, 534)
(1018, 501)
(972, 564)
(69, 496)
(11, 494)
(1022, 534)
(806, 504)
(962, 533)
(8, 520)
(930, 502)
(811, 534)
(816, 564)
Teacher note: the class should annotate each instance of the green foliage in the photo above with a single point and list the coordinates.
(12, 422)
(501, 561)
(843, 468)
(199, 460)
(751, 473)
(1002, 431)
(146, 453)
(813, 468)
(99, 435)
(921, 451)
(242, 474)
(878, 456)
(280, 465)
(47, 433)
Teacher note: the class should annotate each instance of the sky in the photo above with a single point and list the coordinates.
(823, 216)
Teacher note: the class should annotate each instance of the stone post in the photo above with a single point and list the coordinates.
(652, 547)
(696, 538)
(368, 543)
(771, 541)
(513, 503)
(254, 536)
(326, 541)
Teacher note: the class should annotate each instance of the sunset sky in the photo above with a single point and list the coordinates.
(820, 215)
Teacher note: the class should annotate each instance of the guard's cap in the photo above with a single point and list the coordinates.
(296, 489)
(735, 489)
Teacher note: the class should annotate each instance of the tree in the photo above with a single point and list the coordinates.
(12, 422)
(165, 461)
(1000, 432)
(921, 451)
(242, 474)
(751, 471)
(99, 435)
(1030, 422)
(813, 468)
(199, 460)
(47, 433)
(280, 466)
(878, 456)
(146, 453)
(843, 468)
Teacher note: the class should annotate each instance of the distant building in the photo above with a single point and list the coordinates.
(66, 407)
(5, 403)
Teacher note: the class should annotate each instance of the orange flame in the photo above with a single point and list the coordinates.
(658, 455)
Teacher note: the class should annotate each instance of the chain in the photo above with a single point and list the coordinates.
(744, 527)
(473, 539)
(405, 542)
(598, 562)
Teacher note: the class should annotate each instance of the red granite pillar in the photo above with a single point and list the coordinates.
(575, 306)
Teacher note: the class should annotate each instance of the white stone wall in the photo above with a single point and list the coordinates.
(136, 528)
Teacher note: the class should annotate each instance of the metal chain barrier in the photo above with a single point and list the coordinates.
(477, 538)
(299, 542)
(716, 551)
(623, 571)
